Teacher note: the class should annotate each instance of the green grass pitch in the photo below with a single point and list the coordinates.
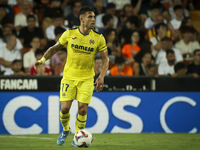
(106, 141)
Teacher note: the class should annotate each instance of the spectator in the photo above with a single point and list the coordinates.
(16, 69)
(195, 66)
(180, 69)
(21, 18)
(108, 22)
(128, 11)
(2, 14)
(143, 67)
(113, 45)
(28, 33)
(132, 48)
(8, 53)
(187, 21)
(59, 68)
(167, 67)
(55, 7)
(99, 7)
(120, 3)
(98, 67)
(121, 69)
(42, 70)
(175, 23)
(186, 45)
(5, 31)
(58, 31)
(29, 57)
(146, 7)
(110, 9)
(18, 7)
(72, 18)
(66, 7)
(155, 12)
(153, 70)
(57, 21)
(171, 9)
(161, 32)
(9, 21)
(166, 44)
(132, 23)
(8, 8)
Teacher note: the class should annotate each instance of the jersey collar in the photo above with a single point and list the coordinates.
(81, 32)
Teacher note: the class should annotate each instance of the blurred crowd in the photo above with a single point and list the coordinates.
(144, 37)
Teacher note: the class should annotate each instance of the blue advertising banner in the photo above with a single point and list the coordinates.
(110, 112)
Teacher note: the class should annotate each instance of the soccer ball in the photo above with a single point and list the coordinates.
(83, 138)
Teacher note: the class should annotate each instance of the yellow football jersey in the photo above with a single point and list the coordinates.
(81, 50)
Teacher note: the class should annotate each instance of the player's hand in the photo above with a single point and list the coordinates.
(38, 63)
(99, 84)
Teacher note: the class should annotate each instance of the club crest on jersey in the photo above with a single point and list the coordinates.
(63, 94)
(91, 42)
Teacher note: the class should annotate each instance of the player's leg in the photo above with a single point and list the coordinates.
(67, 95)
(82, 116)
(84, 94)
(64, 114)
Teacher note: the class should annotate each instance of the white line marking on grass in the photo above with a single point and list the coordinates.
(27, 137)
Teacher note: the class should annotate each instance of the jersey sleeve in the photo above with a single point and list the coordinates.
(102, 44)
(64, 37)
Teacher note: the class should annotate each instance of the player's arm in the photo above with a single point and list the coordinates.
(49, 53)
(100, 80)
(104, 55)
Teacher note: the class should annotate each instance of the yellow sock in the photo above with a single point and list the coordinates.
(64, 119)
(80, 122)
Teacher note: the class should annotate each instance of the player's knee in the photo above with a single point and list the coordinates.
(82, 111)
(64, 110)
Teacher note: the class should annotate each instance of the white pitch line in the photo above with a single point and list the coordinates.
(26, 137)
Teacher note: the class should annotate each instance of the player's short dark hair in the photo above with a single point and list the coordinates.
(169, 51)
(195, 51)
(186, 29)
(106, 18)
(166, 39)
(16, 60)
(57, 15)
(155, 6)
(178, 66)
(119, 60)
(176, 7)
(30, 16)
(59, 30)
(157, 26)
(39, 52)
(7, 20)
(85, 9)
